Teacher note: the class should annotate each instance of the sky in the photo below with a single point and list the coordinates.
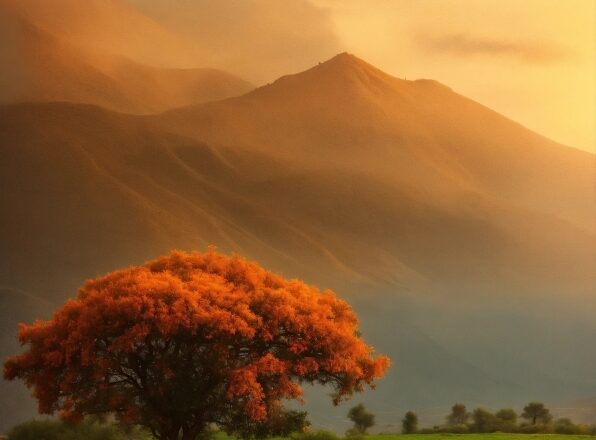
(532, 60)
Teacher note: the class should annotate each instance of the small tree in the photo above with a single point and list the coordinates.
(192, 340)
(536, 412)
(459, 415)
(409, 423)
(506, 420)
(361, 418)
(483, 420)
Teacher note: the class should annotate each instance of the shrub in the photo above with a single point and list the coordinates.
(315, 435)
(566, 426)
(535, 429)
(89, 429)
(460, 428)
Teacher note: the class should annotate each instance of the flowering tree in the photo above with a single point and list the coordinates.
(190, 340)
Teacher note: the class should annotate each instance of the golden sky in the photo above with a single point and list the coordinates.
(531, 60)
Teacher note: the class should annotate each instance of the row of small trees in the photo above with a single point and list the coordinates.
(536, 418)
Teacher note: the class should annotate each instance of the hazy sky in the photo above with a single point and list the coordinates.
(532, 60)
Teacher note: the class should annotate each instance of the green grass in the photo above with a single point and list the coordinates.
(495, 436)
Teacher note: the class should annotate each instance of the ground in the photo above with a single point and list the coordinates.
(496, 436)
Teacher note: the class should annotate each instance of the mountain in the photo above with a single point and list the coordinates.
(106, 26)
(465, 242)
(38, 66)
(449, 187)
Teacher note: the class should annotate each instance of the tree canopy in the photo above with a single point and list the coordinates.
(361, 418)
(459, 415)
(190, 340)
(409, 423)
(536, 412)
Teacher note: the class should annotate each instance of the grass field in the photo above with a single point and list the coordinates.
(496, 436)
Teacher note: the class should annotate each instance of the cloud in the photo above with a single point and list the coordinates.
(466, 45)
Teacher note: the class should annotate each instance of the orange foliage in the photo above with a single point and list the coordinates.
(192, 339)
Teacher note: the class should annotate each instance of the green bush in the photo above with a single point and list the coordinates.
(460, 428)
(315, 435)
(37, 430)
(535, 429)
(566, 426)
(86, 430)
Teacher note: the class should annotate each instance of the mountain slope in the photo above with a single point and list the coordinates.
(391, 192)
(502, 201)
(38, 66)
(426, 135)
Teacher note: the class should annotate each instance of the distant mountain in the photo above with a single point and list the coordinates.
(39, 66)
(463, 239)
(106, 26)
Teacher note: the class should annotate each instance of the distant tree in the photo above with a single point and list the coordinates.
(536, 412)
(409, 423)
(361, 418)
(189, 341)
(459, 415)
(506, 420)
(483, 420)
(566, 426)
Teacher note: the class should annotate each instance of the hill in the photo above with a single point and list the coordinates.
(39, 66)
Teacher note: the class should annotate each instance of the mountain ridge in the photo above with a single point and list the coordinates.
(46, 68)
(387, 199)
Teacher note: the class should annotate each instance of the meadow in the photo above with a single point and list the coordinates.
(490, 436)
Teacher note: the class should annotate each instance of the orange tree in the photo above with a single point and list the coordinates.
(191, 340)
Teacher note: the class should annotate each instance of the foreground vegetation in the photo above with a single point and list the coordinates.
(536, 418)
(189, 341)
(91, 429)
(476, 436)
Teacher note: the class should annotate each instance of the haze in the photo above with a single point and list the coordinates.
(533, 61)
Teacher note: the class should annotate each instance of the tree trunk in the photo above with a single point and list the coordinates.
(172, 434)
(191, 433)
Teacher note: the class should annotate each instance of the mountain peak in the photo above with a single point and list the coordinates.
(346, 61)
(344, 72)
(345, 57)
